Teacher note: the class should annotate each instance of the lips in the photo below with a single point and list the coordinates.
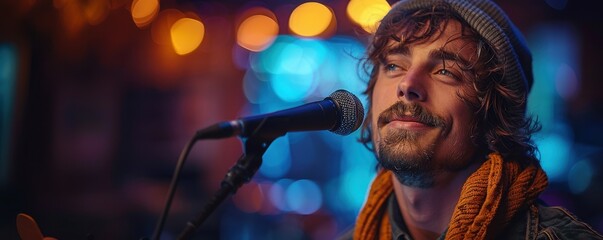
(404, 121)
(409, 116)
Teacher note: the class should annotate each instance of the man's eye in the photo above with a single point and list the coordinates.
(390, 67)
(447, 73)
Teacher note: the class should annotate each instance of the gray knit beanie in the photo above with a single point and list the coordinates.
(493, 25)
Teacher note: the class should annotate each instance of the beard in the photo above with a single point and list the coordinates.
(411, 163)
(408, 154)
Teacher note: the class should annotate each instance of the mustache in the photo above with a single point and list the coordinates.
(418, 112)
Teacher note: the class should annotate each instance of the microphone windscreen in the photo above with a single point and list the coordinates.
(351, 112)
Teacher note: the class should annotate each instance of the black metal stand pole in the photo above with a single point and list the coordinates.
(240, 173)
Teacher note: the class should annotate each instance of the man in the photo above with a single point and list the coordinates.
(447, 121)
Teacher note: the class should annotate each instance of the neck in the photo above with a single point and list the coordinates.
(427, 211)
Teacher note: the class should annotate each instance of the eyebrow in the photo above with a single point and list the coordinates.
(442, 54)
(403, 50)
(435, 54)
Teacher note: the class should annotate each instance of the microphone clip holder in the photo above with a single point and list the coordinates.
(248, 163)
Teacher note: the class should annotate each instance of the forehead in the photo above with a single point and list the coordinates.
(451, 37)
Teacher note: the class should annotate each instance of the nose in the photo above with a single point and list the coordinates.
(411, 87)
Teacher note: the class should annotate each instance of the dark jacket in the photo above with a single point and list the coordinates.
(538, 222)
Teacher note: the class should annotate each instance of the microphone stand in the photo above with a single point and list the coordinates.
(240, 173)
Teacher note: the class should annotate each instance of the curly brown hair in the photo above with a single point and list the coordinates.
(500, 123)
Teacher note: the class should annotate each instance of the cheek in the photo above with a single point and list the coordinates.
(375, 136)
(383, 97)
(462, 122)
(376, 109)
(379, 105)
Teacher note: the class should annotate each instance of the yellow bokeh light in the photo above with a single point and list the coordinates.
(257, 32)
(143, 11)
(311, 19)
(187, 34)
(161, 26)
(367, 13)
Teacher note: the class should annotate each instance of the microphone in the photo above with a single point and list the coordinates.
(341, 113)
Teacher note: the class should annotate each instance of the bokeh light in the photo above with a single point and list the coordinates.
(346, 53)
(8, 83)
(555, 155)
(257, 32)
(554, 68)
(187, 34)
(291, 64)
(8, 66)
(367, 13)
(278, 194)
(311, 19)
(143, 11)
(566, 82)
(304, 196)
(292, 87)
(267, 61)
(160, 28)
(580, 176)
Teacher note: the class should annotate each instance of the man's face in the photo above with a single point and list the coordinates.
(419, 122)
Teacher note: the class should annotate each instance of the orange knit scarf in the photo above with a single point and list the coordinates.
(490, 197)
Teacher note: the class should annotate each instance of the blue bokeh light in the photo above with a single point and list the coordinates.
(277, 194)
(555, 155)
(8, 81)
(304, 196)
(271, 59)
(349, 52)
(556, 49)
(555, 62)
(580, 176)
(292, 87)
(303, 56)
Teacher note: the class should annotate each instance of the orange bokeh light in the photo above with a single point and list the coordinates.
(257, 32)
(311, 19)
(367, 13)
(144, 11)
(187, 34)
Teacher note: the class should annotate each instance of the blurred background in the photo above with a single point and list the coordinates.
(99, 97)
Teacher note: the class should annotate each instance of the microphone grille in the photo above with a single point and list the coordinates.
(351, 109)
